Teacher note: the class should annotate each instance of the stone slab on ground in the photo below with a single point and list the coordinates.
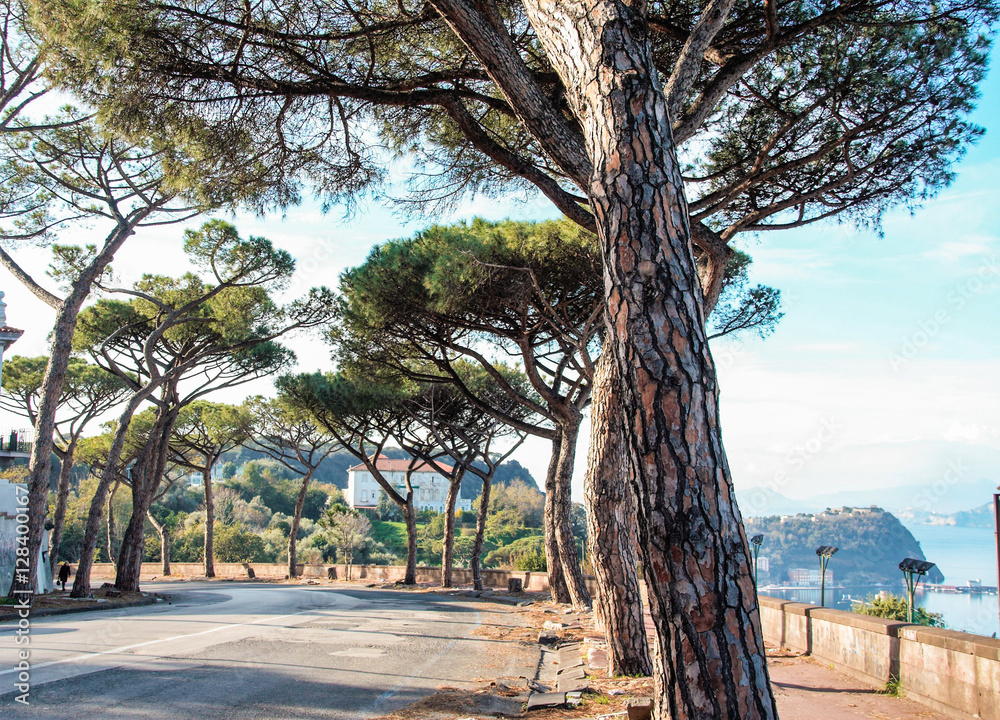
(568, 685)
(540, 701)
(597, 658)
(640, 709)
(570, 658)
(573, 673)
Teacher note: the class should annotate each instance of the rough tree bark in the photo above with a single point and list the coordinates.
(145, 482)
(81, 583)
(711, 661)
(558, 588)
(206, 476)
(62, 497)
(410, 517)
(562, 505)
(612, 527)
(111, 524)
(448, 541)
(476, 561)
(293, 532)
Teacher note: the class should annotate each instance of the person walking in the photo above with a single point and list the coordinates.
(64, 573)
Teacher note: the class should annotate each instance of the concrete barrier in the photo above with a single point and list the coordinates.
(532, 581)
(955, 673)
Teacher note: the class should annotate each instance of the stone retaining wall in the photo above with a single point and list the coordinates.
(955, 673)
(533, 581)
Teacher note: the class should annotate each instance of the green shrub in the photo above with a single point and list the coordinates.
(893, 607)
(234, 544)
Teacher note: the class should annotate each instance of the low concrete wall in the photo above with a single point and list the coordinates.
(955, 673)
(533, 581)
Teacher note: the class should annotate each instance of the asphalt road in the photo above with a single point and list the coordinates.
(232, 650)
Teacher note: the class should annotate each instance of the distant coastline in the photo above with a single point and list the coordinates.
(980, 517)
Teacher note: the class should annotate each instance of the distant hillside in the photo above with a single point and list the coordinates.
(871, 541)
(762, 502)
(980, 517)
(941, 498)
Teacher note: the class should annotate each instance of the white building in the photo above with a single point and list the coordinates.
(13, 501)
(430, 488)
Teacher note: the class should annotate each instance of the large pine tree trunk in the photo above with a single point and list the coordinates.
(62, 497)
(293, 533)
(611, 525)
(410, 517)
(448, 541)
(711, 661)
(40, 463)
(476, 561)
(561, 501)
(558, 589)
(209, 525)
(81, 583)
(133, 544)
(146, 476)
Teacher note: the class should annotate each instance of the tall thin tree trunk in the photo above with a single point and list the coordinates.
(81, 583)
(611, 524)
(145, 483)
(111, 524)
(476, 561)
(562, 504)
(62, 497)
(164, 534)
(711, 662)
(133, 544)
(410, 517)
(40, 463)
(558, 589)
(293, 533)
(448, 541)
(209, 525)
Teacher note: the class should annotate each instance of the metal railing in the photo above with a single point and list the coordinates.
(16, 441)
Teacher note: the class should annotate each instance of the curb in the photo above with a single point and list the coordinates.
(45, 612)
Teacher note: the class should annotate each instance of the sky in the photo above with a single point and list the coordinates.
(883, 373)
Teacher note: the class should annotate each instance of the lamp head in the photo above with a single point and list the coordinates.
(914, 566)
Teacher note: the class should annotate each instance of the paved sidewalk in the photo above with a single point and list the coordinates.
(807, 690)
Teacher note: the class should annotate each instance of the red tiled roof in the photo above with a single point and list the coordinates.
(384, 464)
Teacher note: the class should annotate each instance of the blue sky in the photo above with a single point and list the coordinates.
(884, 372)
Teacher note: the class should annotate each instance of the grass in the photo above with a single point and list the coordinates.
(893, 688)
(390, 534)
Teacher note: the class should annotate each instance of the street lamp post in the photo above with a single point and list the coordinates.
(996, 519)
(913, 570)
(825, 552)
(756, 541)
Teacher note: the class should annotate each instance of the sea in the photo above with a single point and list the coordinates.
(962, 554)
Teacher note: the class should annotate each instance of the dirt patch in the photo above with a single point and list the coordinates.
(60, 602)
(773, 651)
(513, 634)
(492, 700)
